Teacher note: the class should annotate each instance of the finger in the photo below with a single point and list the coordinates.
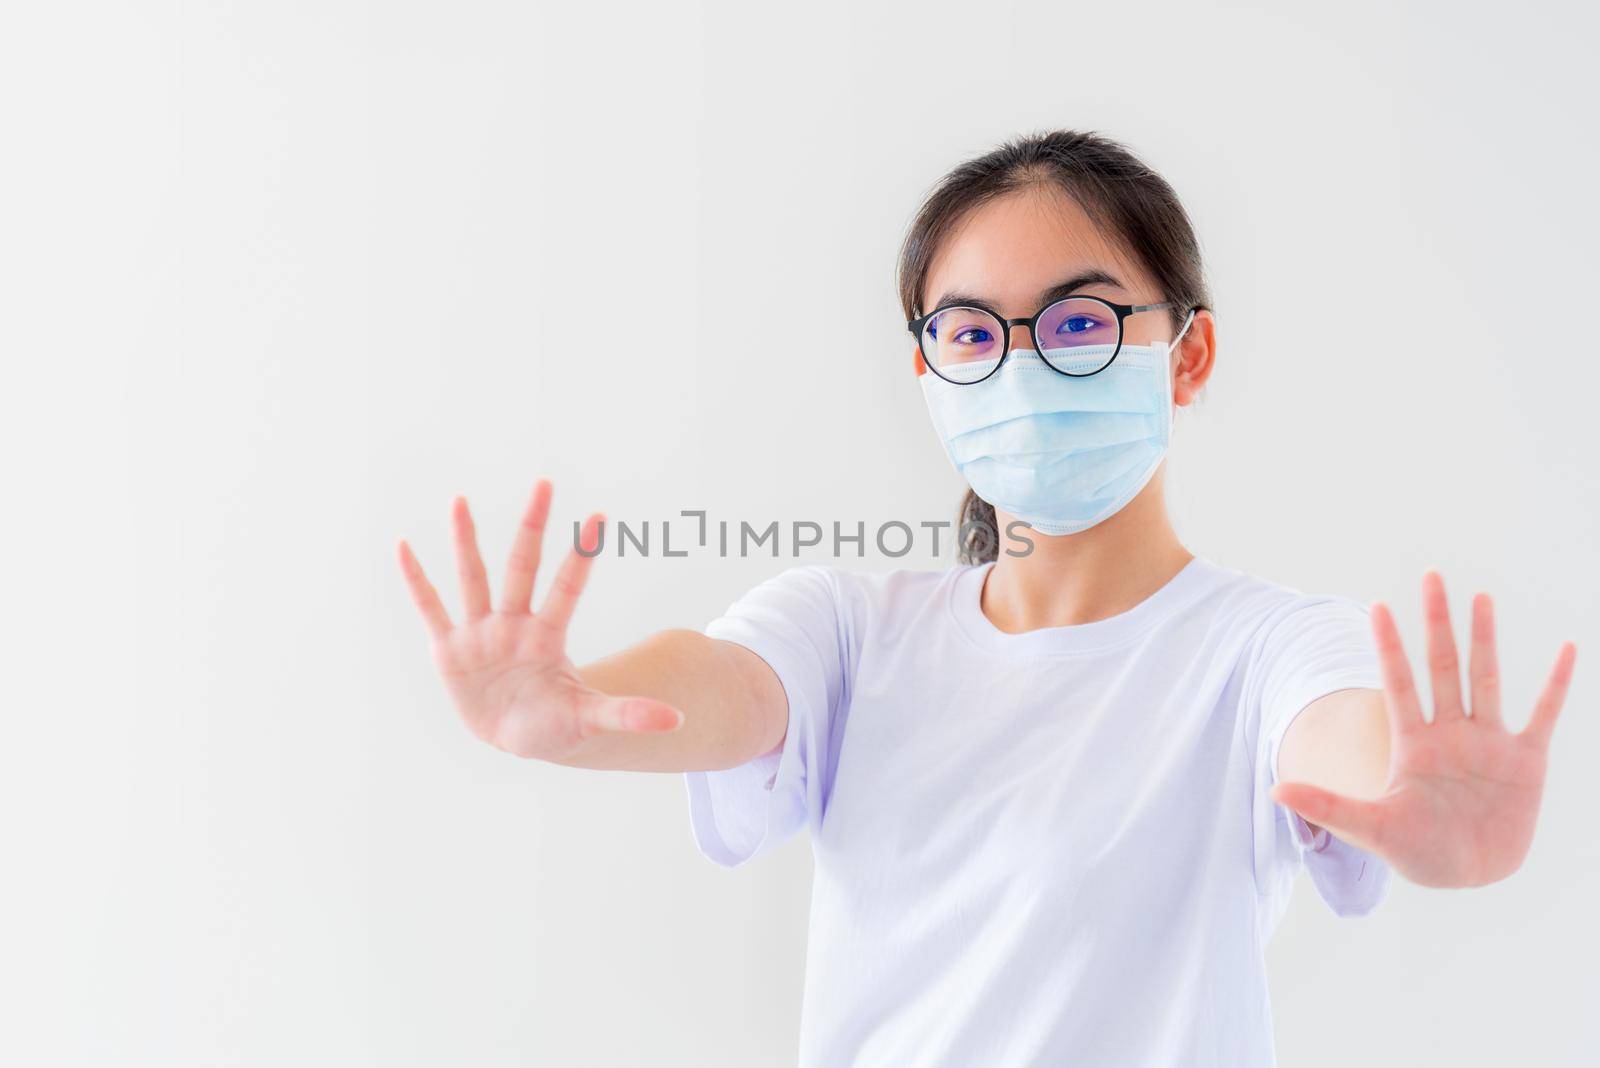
(1444, 664)
(1357, 822)
(469, 565)
(638, 714)
(569, 581)
(1399, 692)
(423, 593)
(524, 562)
(1484, 668)
(1543, 723)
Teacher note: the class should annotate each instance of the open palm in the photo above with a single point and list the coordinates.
(1463, 791)
(508, 669)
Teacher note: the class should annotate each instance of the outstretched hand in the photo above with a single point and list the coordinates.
(1463, 792)
(507, 669)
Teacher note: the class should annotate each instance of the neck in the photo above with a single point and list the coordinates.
(1091, 575)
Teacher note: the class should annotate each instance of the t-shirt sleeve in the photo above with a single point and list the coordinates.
(793, 622)
(1313, 649)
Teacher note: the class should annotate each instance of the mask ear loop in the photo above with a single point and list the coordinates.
(1168, 362)
(1186, 323)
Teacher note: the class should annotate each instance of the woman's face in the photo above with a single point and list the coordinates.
(1015, 253)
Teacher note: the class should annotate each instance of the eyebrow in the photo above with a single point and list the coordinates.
(1065, 288)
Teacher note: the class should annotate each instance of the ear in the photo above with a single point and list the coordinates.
(1194, 358)
(922, 368)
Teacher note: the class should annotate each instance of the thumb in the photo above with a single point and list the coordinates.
(630, 714)
(1357, 822)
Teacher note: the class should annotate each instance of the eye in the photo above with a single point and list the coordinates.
(1077, 324)
(973, 335)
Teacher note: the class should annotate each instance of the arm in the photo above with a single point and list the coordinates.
(1450, 801)
(1339, 742)
(734, 707)
(678, 701)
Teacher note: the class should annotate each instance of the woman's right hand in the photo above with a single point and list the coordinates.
(507, 668)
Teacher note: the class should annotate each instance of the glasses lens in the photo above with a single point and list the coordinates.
(1079, 335)
(963, 344)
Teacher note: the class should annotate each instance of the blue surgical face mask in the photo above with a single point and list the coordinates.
(1057, 452)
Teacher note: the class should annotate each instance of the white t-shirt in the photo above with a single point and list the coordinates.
(1053, 847)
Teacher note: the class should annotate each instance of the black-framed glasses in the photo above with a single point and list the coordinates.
(1077, 336)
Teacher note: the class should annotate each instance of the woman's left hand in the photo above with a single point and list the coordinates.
(1463, 792)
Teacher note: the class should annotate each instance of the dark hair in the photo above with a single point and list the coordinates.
(1132, 203)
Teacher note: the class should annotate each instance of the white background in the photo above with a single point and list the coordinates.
(280, 278)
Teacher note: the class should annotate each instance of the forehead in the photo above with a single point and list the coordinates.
(1012, 248)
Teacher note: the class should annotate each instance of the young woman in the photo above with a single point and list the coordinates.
(1057, 794)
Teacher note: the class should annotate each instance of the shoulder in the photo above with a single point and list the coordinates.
(859, 595)
(1247, 588)
(1255, 601)
(832, 611)
(894, 591)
